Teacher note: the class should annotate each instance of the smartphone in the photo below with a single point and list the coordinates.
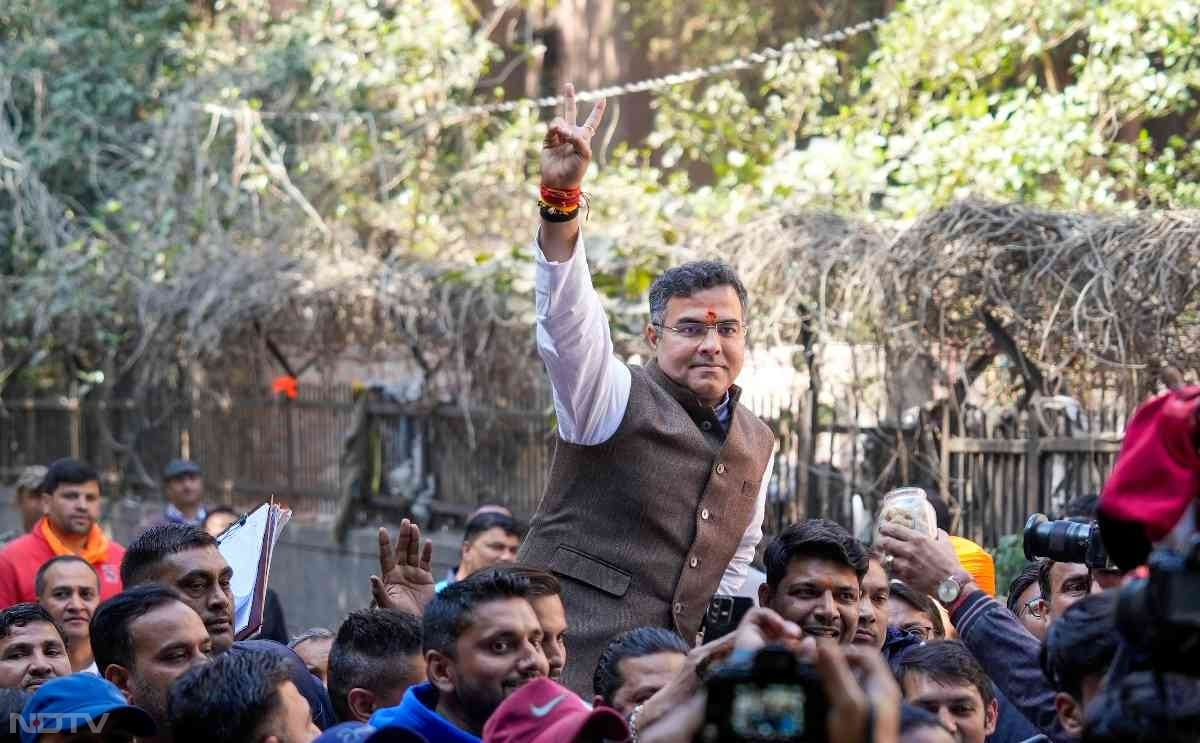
(724, 615)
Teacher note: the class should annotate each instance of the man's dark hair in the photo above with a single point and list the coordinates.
(68, 471)
(1043, 579)
(369, 652)
(109, 629)
(634, 643)
(1083, 642)
(452, 611)
(227, 700)
(1029, 575)
(21, 615)
(820, 538)
(946, 662)
(1082, 507)
(12, 701)
(1145, 707)
(686, 280)
(156, 543)
(920, 602)
(39, 580)
(490, 520)
(541, 582)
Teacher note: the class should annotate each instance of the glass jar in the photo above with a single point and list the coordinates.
(910, 508)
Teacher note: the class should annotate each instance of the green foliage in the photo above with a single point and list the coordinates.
(1009, 556)
(1022, 101)
(161, 141)
(87, 72)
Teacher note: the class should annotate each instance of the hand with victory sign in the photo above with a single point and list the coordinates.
(566, 154)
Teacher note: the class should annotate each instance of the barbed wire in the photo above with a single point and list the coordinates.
(459, 114)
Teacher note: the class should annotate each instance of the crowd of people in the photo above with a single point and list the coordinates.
(482, 653)
(619, 613)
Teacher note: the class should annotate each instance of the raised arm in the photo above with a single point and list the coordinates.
(566, 154)
(1001, 644)
(591, 387)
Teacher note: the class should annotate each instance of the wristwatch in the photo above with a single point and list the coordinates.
(951, 588)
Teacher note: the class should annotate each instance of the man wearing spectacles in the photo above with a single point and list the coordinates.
(657, 490)
(1025, 600)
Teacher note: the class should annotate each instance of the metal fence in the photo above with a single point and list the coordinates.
(994, 471)
(1011, 466)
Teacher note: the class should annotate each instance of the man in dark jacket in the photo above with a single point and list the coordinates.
(1009, 654)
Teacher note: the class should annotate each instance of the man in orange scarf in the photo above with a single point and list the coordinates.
(71, 503)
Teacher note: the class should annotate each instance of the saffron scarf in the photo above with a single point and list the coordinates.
(95, 548)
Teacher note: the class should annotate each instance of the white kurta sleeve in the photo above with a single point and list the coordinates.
(590, 385)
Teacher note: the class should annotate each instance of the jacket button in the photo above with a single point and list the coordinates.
(678, 608)
(706, 425)
(704, 513)
(694, 562)
(721, 468)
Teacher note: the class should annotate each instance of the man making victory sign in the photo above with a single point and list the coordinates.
(656, 493)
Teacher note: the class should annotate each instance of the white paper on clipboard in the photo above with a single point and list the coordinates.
(248, 545)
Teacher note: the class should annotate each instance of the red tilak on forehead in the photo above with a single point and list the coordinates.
(711, 317)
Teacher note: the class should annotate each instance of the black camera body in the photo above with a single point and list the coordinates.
(1065, 541)
(773, 696)
(1160, 615)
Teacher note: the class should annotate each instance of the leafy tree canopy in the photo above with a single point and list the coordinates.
(173, 173)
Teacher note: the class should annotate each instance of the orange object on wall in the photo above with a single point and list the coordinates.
(285, 385)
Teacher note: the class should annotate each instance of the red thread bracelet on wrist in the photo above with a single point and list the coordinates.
(560, 199)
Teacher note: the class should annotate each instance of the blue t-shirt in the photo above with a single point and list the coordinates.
(417, 711)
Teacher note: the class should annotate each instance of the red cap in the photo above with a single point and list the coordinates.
(1157, 473)
(541, 711)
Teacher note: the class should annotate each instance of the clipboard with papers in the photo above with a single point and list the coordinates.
(248, 545)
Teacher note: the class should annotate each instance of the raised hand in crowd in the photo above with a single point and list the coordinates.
(566, 154)
(677, 712)
(760, 627)
(873, 698)
(567, 149)
(921, 562)
(405, 579)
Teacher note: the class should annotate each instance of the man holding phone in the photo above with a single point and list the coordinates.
(657, 491)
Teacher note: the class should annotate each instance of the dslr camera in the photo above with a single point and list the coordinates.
(1159, 615)
(1065, 541)
(772, 696)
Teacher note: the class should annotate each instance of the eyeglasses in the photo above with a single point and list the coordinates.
(726, 329)
(1035, 608)
(923, 631)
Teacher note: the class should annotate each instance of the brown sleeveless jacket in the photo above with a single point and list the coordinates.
(639, 529)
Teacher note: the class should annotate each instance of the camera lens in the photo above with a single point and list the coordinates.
(1061, 541)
